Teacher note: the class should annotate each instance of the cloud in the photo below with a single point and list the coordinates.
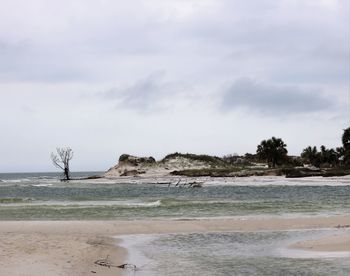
(69, 41)
(153, 93)
(162, 66)
(267, 99)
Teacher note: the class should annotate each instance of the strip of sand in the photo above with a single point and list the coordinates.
(72, 247)
(114, 228)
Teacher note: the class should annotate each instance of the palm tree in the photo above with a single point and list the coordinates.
(272, 150)
(346, 146)
(346, 138)
(311, 156)
(328, 156)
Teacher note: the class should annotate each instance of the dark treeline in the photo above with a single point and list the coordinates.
(274, 152)
(339, 156)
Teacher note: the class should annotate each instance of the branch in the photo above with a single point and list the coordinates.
(56, 161)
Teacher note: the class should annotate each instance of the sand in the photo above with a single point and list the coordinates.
(71, 247)
(56, 254)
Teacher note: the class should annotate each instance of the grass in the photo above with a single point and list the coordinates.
(211, 160)
(214, 172)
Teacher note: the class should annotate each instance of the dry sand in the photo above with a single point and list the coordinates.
(56, 254)
(71, 247)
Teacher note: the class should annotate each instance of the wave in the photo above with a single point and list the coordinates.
(169, 202)
(20, 202)
(21, 180)
(27, 180)
(42, 185)
(146, 204)
(81, 202)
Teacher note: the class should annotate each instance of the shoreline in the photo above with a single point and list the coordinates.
(72, 247)
(234, 181)
(165, 226)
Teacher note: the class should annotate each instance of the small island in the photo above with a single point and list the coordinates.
(270, 159)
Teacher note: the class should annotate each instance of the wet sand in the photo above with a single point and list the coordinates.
(72, 247)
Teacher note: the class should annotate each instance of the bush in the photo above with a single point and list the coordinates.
(213, 160)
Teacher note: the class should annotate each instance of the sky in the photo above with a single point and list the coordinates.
(151, 77)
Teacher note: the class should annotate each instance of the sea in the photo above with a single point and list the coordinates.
(42, 196)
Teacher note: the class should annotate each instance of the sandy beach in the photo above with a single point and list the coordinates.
(72, 247)
(59, 253)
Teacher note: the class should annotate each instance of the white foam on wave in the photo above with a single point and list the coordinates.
(86, 204)
(22, 180)
(42, 185)
(35, 182)
(145, 204)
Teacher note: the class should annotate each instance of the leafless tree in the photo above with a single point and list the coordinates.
(61, 160)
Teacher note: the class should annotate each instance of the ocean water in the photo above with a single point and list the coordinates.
(43, 197)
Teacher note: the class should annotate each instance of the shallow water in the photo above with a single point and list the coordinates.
(236, 253)
(44, 197)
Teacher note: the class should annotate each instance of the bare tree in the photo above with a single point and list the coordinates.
(61, 160)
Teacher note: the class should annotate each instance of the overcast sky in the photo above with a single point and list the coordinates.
(150, 77)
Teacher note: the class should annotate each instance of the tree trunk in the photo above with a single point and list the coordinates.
(274, 163)
(66, 173)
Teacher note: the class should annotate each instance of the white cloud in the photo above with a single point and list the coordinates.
(56, 56)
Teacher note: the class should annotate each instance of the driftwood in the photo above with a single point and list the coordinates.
(343, 226)
(128, 266)
(107, 263)
(193, 184)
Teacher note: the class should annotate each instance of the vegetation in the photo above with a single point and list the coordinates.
(329, 157)
(253, 158)
(133, 160)
(273, 150)
(345, 151)
(212, 160)
(311, 155)
(235, 159)
(222, 172)
(328, 161)
(61, 160)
